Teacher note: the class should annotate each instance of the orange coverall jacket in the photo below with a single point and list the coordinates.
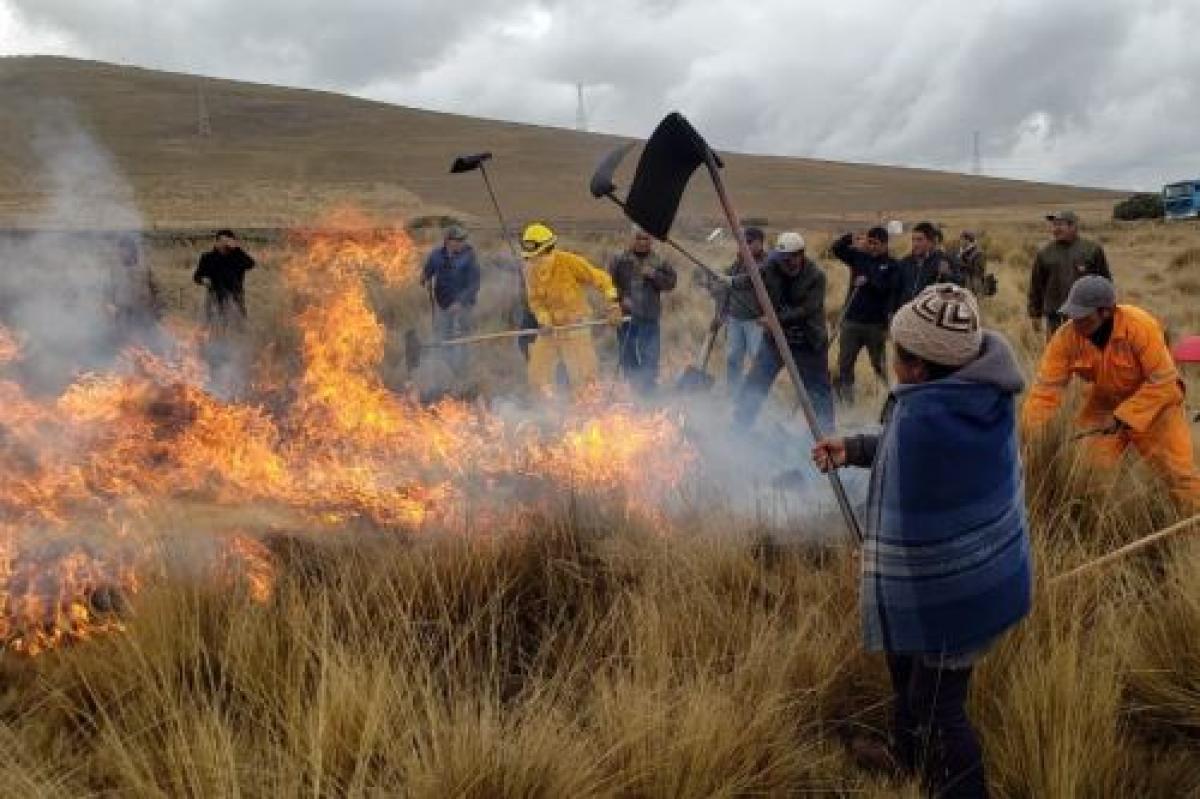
(1134, 380)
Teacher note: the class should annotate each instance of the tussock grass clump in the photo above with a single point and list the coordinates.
(1189, 257)
(595, 659)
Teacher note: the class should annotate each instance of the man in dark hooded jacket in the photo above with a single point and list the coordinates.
(870, 300)
(796, 286)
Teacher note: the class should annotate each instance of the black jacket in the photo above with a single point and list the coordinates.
(225, 272)
(874, 301)
(640, 279)
(918, 274)
(799, 302)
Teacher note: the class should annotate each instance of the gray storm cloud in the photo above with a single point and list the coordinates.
(1087, 91)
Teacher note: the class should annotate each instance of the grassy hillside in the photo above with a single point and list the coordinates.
(276, 155)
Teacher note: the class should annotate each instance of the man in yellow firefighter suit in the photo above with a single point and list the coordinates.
(1135, 396)
(557, 284)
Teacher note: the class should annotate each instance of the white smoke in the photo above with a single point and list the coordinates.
(57, 276)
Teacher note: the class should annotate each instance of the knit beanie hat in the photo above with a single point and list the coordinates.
(941, 325)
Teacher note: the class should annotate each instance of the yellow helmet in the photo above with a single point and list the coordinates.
(537, 240)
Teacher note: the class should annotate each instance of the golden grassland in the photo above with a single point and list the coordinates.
(594, 655)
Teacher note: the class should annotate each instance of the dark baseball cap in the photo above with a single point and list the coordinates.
(754, 234)
(1063, 216)
(1089, 294)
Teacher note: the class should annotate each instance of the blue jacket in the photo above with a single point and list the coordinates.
(874, 302)
(946, 563)
(455, 277)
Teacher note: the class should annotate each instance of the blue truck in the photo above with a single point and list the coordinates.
(1182, 200)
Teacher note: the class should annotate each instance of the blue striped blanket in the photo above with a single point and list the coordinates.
(946, 563)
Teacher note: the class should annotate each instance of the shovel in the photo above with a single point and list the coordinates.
(696, 379)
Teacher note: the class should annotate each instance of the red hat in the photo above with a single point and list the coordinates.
(1187, 350)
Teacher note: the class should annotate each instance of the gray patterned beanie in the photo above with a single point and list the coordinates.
(941, 325)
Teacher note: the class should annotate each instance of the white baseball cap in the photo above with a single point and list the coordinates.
(789, 242)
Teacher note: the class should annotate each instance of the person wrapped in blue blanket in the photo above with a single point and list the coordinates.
(945, 561)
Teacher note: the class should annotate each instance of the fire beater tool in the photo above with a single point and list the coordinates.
(414, 347)
(478, 161)
(603, 187)
(672, 153)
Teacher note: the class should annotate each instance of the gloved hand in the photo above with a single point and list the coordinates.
(614, 315)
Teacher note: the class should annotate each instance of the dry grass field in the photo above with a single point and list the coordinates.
(594, 650)
(343, 591)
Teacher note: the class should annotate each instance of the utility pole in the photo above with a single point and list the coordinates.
(581, 124)
(976, 156)
(203, 120)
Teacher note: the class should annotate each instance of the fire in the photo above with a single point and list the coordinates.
(328, 440)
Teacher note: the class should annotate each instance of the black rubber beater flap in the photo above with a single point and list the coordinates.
(668, 160)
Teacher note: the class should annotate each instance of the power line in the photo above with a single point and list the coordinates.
(581, 123)
(203, 120)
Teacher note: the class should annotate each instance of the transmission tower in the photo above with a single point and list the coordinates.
(581, 123)
(976, 156)
(203, 120)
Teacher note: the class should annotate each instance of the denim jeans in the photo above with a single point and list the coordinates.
(813, 366)
(638, 343)
(743, 338)
(450, 324)
(933, 736)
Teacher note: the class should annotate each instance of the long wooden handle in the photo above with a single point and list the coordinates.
(533, 331)
(1142, 543)
(781, 344)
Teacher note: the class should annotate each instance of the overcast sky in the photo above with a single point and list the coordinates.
(1099, 92)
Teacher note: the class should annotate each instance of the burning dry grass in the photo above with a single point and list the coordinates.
(330, 442)
(585, 656)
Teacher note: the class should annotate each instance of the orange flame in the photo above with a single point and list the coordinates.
(334, 444)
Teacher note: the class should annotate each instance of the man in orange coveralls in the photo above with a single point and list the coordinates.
(1135, 396)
